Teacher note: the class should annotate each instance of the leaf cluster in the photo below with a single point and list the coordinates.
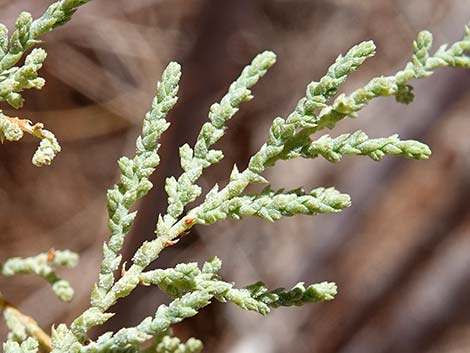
(190, 287)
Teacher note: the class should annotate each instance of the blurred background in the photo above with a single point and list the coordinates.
(400, 255)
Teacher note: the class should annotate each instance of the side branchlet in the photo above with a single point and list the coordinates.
(44, 265)
(16, 79)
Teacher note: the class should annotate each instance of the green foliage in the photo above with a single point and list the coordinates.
(30, 345)
(13, 129)
(272, 206)
(189, 286)
(135, 175)
(165, 343)
(9, 130)
(358, 143)
(185, 190)
(16, 79)
(28, 31)
(43, 265)
(174, 345)
(187, 278)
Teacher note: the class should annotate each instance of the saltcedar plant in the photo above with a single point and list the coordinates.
(192, 287)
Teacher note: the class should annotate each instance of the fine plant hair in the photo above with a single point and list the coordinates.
(192, 287)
